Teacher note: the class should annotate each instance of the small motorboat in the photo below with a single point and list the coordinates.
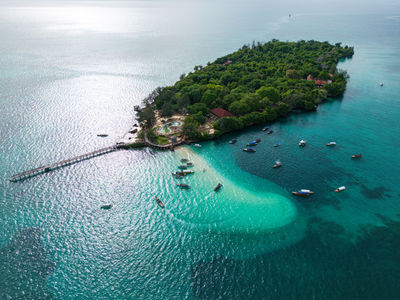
(331, 144)
(183, 160)
(219, 185)
(340, 189)
(178, 174)
(249, 150)
(300, 193)
(197, 145)
(182, 167)
(189, 164)
(270, 131)
(258, 140)
(233, 141)
(302, 143)
(159, 202)
(252, 144)
(381, 84)
(183, 186)
(107, 206)
(306, 191)
(356, 155)
(277, 144)
(102, 135)
(266, 128)
(187, 172)
(277, 164)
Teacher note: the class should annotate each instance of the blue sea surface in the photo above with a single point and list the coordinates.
(70, 70)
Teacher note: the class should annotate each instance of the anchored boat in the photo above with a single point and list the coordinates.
(300, 193)
(277, 164)
(159, 202)
(266, 128)
(302, 143)
(183, 186)
(356, 156)
(249, 150)
(340, 189)
(277, 144)
(107, 206)
(307, 191)
(233, 141)
(178, 174)
(219, 185)
(270, 131)
(330, 144)
(303, 192)
(187, 172)
(254, 143)
(182, 167)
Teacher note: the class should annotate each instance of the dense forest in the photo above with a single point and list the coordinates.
(257, 84)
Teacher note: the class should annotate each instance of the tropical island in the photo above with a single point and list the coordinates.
(254, 85)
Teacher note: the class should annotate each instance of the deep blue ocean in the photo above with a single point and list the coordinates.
(70, 70)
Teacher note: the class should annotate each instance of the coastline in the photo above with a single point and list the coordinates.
(227, 101)
(140, 143)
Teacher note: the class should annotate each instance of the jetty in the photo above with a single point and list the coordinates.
(61, 164)
(79, 158)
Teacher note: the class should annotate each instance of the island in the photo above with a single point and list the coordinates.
(256, 84)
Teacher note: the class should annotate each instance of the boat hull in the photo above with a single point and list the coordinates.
(216, 189)
(159, 202)
(300, 194)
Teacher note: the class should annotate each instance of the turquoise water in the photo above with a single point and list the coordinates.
(72, 70)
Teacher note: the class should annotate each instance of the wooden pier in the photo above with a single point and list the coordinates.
(61, 164)
(76, 159)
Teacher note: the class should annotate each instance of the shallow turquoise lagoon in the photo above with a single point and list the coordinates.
(70, 71)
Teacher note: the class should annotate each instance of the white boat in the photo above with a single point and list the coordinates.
(331, 144)
(302, 143)
(197, 145)
(307, 191)
(340, 189)
(381, 83)
(277, 164)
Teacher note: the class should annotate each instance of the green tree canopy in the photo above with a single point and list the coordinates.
(270, 92)
(228, 124)
(256, 83)
(190, 128)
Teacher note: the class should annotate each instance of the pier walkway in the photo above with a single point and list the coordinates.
(60, 164)
(76, 159)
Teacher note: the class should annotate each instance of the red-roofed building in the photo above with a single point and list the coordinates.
(319, 82)
(220, 112)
